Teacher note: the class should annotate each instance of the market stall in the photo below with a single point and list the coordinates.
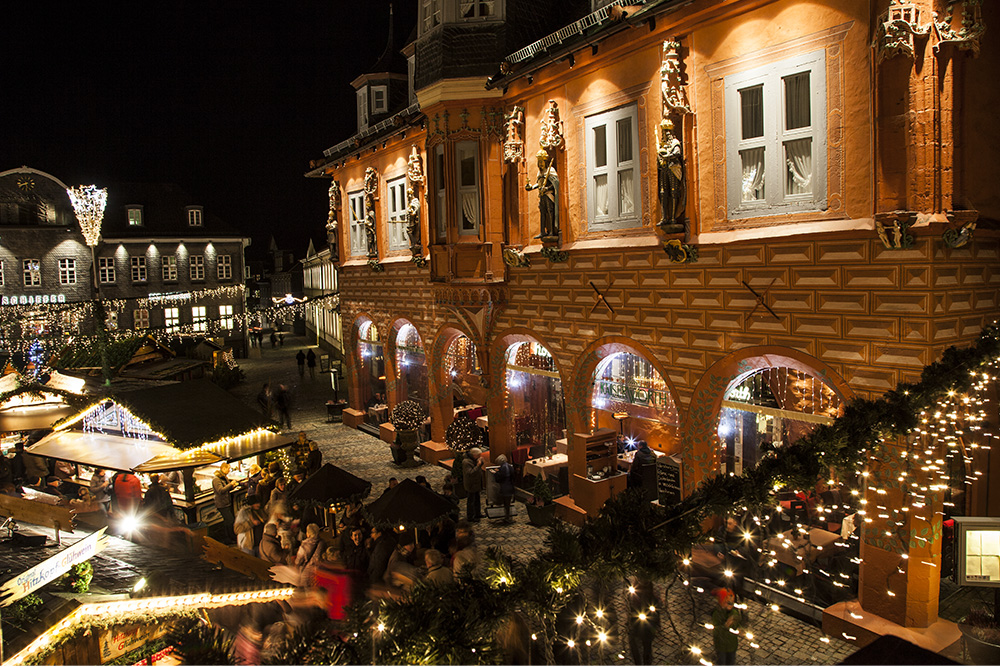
(189, 427)
(30, 404)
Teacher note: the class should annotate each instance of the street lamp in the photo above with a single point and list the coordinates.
(89, 202)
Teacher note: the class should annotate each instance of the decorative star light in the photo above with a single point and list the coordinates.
(88, 203)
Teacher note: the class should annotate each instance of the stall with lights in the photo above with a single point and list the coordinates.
(35, 403)
(189, 428)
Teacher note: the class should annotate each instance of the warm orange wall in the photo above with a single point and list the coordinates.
(979, 137)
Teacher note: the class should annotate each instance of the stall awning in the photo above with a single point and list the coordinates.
(254, 443)
(115, 452)
(33, 418)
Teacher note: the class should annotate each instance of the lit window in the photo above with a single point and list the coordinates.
(356, 204)
(67, 271)
(172, 319)
(396, 194)
(776, 137)
(32, 272)
(467, 169)
(439, 190)
(197, 267)
(140, 318)
(380, 102)
(135, 217)
(226, 317)
(476, 9)
(199, 319)
(613, 169)
(430, 14)
(138, 265)
(169, 268)
(362, 109)
(106, 269)
(194, 217)
(224, 267)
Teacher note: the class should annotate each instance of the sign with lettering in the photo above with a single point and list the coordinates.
(118, 641)
(619, 391)
(669, 486)
(31, 299)
(56, 566)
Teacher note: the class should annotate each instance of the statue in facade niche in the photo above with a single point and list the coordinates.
(332, 222)
(371, 194)
(672, 188)
(414, 167)
(547, 184)
(413, 220)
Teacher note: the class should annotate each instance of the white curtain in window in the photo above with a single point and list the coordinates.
(798, 161)
(625, 199)
(753, 174)
(601, 194)
(469, 217)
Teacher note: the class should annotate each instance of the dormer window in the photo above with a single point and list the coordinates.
(134, 216)
(362, 108)
(476, 9)
(380, 102)
(194, 215)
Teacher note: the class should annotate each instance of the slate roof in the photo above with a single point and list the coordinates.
(164, 213)
(120, 352)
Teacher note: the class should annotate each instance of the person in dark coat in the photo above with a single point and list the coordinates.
(356, 560)
(643, 456)
(270, 546)
(300, 359)
(222, 489)
(157, 499)
(283, 401)
(311, 363)
(382, 546)
(472, 477)
(505, 479)
(314, 459)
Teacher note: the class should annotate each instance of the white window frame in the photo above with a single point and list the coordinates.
(771, 78)
(67, 271)
(480, 9)
(468, 201)
(172, 319)
(395, 197)
(362, 94)
(106, 270)
(380, 99)
(199, 319)
(196, 267)
(31, 270)
(195, 216)
(224, 267)
(430, 15)
(440, 201)
(612, 170)
(134, 215)
(140, 318)
(137, 264)
(168, 268)
(356, 211)
(226, 319)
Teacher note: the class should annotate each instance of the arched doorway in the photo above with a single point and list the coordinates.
(411, 366)
(534, 396)
(371, 366)
(462, 371)
(766, 408)
(630, 396)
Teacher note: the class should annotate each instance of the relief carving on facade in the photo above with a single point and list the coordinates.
(960, 235)
(898, 26)
(892, 228)
(671, 181)
(332, 222)
(513, 147)
(551, 138)
(415, 179)
(371, 194)
(969, 36)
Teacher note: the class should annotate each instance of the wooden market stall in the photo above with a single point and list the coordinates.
(189, 427)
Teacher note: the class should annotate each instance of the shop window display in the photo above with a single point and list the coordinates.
(411, 366)
(371, 367)
(534, 396)
(462, 366)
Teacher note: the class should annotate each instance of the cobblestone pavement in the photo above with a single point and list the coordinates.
(782, 639)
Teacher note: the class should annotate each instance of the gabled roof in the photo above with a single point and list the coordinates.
(120, 353)
(164, 213)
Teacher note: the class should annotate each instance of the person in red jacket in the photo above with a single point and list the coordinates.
(127, 493)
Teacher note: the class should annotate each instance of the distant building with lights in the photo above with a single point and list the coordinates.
(319, 278)
(762, 211)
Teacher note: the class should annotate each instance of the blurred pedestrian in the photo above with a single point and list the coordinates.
(472, 477)
(222, 489)
(264, 400)
(314, 460)
(100, 487)
(249, 525)
(300, 359)
(157, 500)
(311, 363)
(274, 340)
(283, 401)
(505, 479)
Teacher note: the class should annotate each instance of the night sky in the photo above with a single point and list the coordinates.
(228, 100)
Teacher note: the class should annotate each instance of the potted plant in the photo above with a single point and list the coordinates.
(541, 509)
(982, 636)
(406, 419)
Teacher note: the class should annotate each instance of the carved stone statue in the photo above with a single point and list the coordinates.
(413, 220)
(414, 167)
(332, 222)
(371, 194)
(513, 147)
(672, 188)
(674, 98)
(552, 128)
(547, 185)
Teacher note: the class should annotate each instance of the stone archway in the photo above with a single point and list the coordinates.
(395, 382)
(699, 450)
(441, 400)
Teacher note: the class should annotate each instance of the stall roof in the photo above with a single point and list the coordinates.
(249, 445)
(106, 451)
(191, 413)
(37, 418)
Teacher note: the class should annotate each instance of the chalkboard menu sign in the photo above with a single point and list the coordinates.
(668, 480)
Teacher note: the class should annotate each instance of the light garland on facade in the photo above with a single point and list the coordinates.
(88, 204)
